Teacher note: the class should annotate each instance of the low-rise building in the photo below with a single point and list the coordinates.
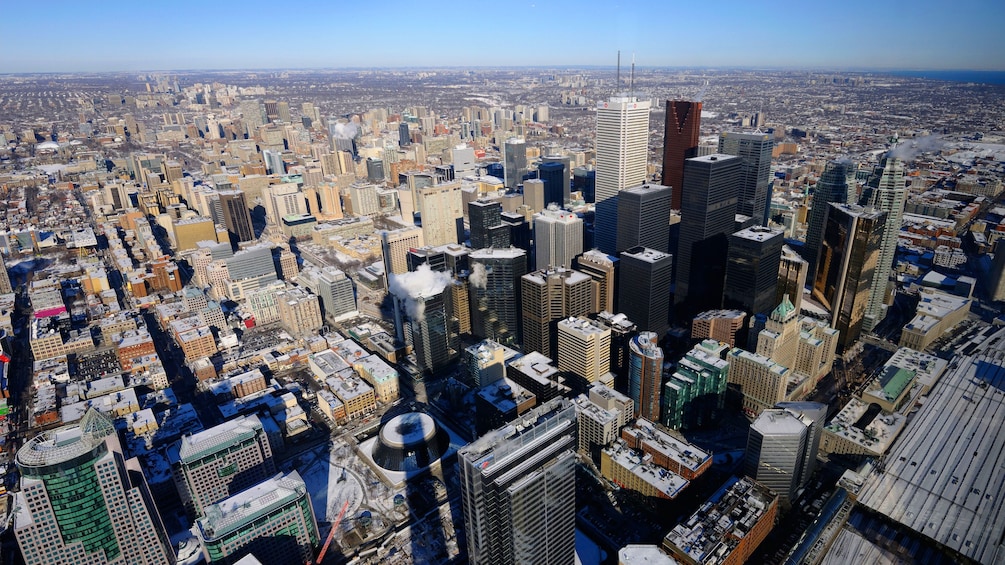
(681, 457)
(638, 473)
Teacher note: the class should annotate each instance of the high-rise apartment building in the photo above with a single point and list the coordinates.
(645, 374)
(708, 212)
(236, 215)
(273, 520)
(680, 142)
(213, 464)
(494, 292)
(548, 295)
(835, 186)
(584, 348)
(644, 217)
(622, 143)
(754, 151)
(752, 269)
(885, 191)
(644, 288)
(558, 237)
(602, 269)
(439, 207)
(80, 501)
(849, 255)
(518, 489)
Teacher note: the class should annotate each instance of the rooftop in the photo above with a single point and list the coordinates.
(723, 520)
(663, 480)
(219, 437)
(758, 233)
(689, 456)
(876, 435)
(946, 464)
(646, 254)
(230, 514)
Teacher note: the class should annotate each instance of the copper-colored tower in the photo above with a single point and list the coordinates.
(680, 141)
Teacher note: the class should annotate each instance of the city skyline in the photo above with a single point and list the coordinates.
(846, 36)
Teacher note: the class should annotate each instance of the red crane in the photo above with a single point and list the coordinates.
(331, 535)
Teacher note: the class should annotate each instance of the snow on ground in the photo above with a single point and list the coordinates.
(321, 471)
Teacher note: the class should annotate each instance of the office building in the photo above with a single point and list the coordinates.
(396, 244)
(622, 142)
(779, 444)
(80, 501)
(187, 233)
(236, 215)
(213, 464)
(754, 151)
(494, 292)
(273, 520)
(555, 172)
(644, 293)
(487, 229)
(645, 374)
(515, 167)
(885, 191)
(533, 195)
(622, 331)
(849, 255)
(584, 348)
(680, 142)
(375, 170)
(761, 382)
(558, 237)
(518, 489)
(635, 472)
(792, 272)
(602, 269)
(334, 288)
(363, 199)
(752, 269)
(644, 217)
(814, 415)
(439, 207)
(695, 393)
(404, 137)
(708, 210)
(549, 295)
(425, 295)
(835, 186)
(997, 282)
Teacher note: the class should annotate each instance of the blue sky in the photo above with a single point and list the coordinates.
(112, 35)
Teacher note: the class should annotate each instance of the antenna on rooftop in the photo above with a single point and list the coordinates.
(631, 82)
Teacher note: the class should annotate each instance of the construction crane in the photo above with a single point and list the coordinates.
(331, 536)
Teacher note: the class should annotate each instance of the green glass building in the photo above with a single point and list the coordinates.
(81, 502)
(696, 391)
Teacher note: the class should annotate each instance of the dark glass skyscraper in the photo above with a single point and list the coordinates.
(680, 142)
(644, 217)
(754, 151)
(556, 183)
(644, 288)
(836, 185)
(752, 269)
(708, 212)
(848, 257)
(236, 215)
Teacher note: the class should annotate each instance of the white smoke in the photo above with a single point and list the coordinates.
(910, 149)
(423, 282)
(479, 277)
(345, 130)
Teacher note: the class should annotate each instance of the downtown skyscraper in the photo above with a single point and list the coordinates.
(836, 185)
(754, 151)
(82, 502)
(622, 143)
(680, 142)
(708, 214)
(518, 489)
(885, 191)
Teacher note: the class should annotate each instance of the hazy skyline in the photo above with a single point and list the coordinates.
(125, 36)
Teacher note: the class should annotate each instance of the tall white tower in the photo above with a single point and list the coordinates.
(622, 142)
(885, 191)
(559, 237)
